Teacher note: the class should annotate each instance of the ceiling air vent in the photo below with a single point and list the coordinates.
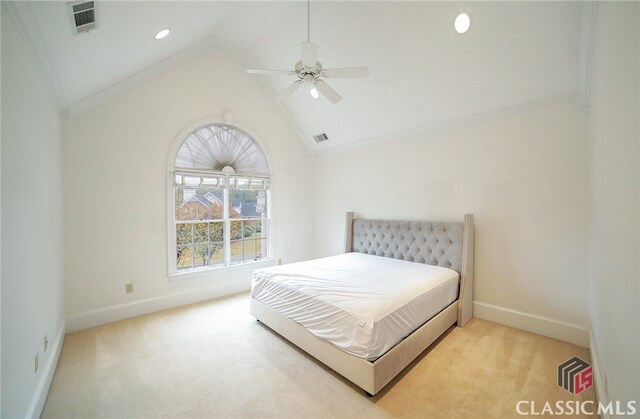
(320, 137)
(83, 16)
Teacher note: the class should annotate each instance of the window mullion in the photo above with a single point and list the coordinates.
(242, 236)
(267, 224)
(193, 245)
(227, 225)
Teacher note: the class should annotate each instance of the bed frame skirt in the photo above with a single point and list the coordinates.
(370, 376)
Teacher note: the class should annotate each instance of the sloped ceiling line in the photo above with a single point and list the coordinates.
(20, 12)
(140, 76)
(302, 123)
(569, 97)
(587, 37)
(268, 87)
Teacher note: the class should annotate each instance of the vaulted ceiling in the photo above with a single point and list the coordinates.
(422, 73)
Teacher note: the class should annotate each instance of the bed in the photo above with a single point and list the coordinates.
(369, 312)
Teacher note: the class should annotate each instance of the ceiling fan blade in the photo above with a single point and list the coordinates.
(346, 72)
(327, 91)
(289, 90)
(309, 53)
(266, 71)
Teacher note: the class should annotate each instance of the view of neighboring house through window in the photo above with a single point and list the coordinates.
(221, 216)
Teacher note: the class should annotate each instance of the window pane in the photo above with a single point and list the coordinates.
(191, 181)
(257, 184)
(184, 234)
(237, 230)
(236, 251)
(199, 203)
(201, 232)
(247, 203)
(261, 203)
(216, 254)
(211, 181)
(201, 255)
(184, 257)
(242, 183)
(251, 248)
(216, 231)
(209, 244)
(262, 228)
(264, 250)
(250, 229)
(248, 243)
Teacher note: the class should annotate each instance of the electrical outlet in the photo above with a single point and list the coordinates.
(36, 363)
(279, 261)
(46, 343)
(128, 288)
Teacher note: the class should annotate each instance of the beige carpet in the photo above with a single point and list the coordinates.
(214, 360)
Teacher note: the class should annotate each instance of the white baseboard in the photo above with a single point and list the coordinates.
(556, 329)
(598, 378)
(92, 318)
(46, 377)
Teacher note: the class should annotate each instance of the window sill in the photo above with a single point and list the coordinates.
(200, 273)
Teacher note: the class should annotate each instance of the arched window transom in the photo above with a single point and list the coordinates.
(216, 146)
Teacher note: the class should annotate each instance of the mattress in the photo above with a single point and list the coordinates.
(363, 304)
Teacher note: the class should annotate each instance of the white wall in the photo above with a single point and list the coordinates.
(524, 177)
(32, 255)
(115, 158)
(614, 197)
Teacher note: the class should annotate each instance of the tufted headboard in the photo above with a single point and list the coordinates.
(435, 243)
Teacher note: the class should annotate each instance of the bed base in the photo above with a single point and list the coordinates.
(370, 376)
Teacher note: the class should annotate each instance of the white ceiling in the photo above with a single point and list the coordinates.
(423, 73)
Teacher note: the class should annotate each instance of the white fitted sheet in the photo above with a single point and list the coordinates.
(361, 303)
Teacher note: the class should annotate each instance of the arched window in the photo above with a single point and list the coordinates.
(220, 200)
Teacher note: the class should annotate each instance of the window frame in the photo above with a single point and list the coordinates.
(208, 271)
(226, 219)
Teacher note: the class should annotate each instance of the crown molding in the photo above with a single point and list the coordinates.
(568, 97)
(21, 14)
(147, 72)
(144, 74)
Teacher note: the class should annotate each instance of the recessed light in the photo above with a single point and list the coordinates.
(462, 23)
(162, 33)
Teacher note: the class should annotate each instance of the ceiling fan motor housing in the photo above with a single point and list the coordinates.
(308, 74)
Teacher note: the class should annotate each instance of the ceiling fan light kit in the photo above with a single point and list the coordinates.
(162, 34)
(462, 22)
(309, 71)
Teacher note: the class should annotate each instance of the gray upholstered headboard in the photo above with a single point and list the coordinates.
(434, 243)
(437, 244)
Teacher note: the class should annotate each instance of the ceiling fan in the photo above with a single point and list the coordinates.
(309, 72)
